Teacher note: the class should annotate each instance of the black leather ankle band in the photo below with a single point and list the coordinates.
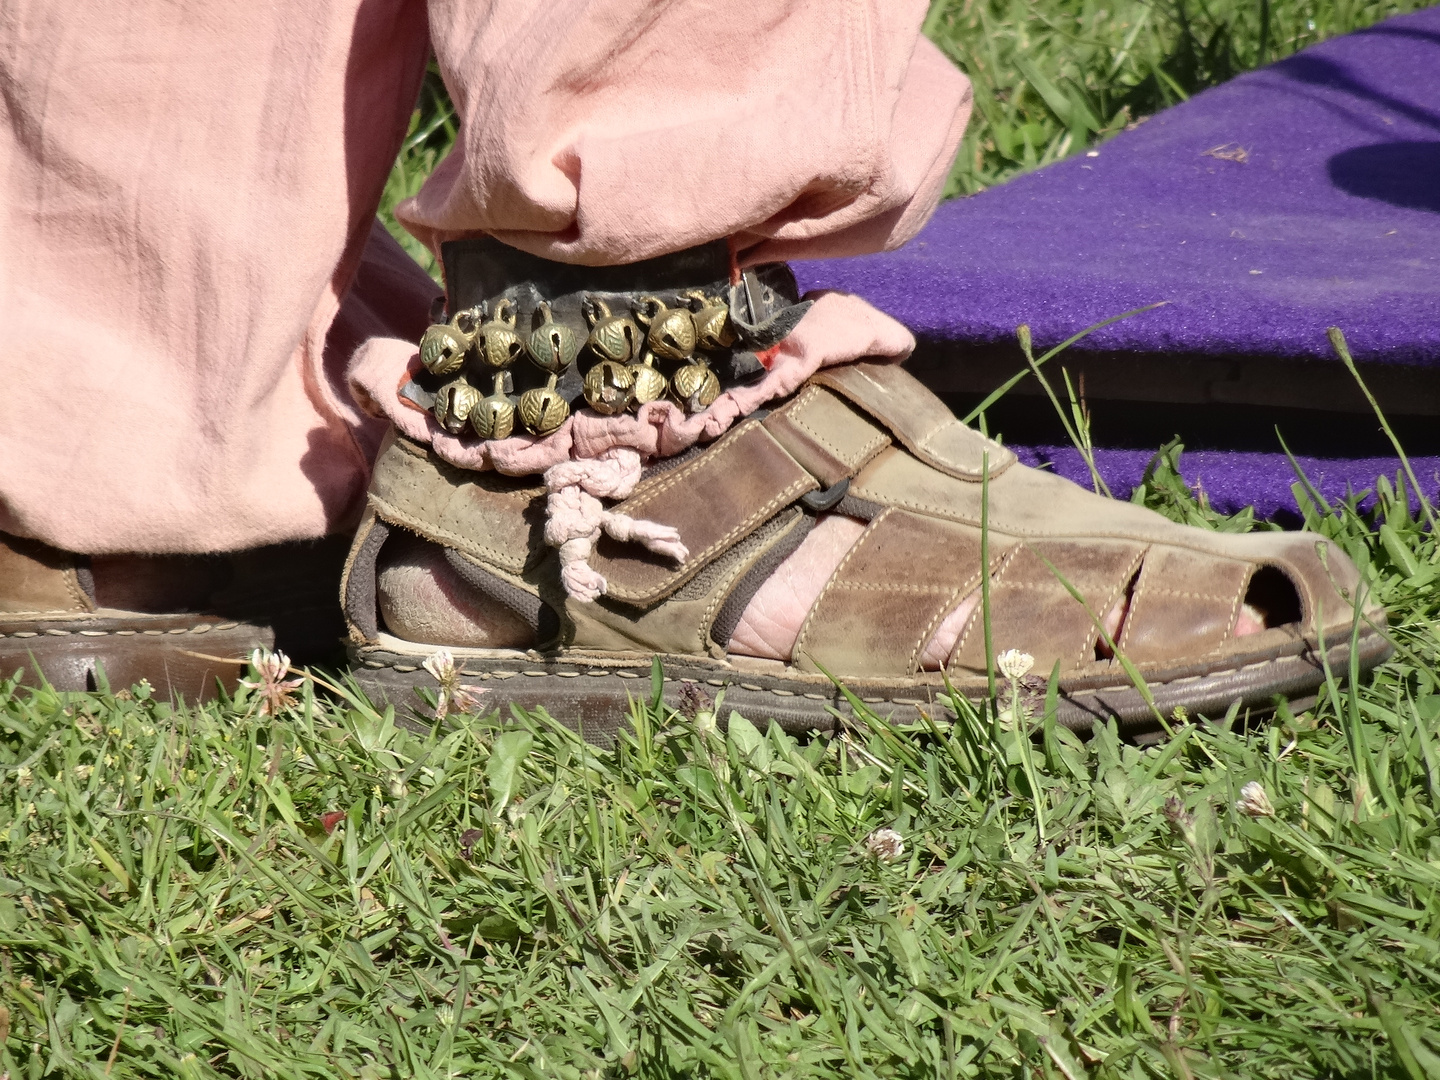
(488, 280)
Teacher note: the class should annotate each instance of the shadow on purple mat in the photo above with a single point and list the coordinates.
(1294, 198)
(1400, 173)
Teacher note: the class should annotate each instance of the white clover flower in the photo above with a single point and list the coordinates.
(276, 692)
(441, 665)
(452, 697)
(885, 844)
(1253, 801)
(1014, 664)
(82, 772)
(23, 776)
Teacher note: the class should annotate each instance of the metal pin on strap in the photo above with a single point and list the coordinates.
(818, 501)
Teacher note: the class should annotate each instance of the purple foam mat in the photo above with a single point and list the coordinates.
(1294, 198)
(1235, 479)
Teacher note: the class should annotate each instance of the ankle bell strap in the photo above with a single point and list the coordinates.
(526, 340)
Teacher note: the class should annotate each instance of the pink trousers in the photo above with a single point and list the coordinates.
(189, 256)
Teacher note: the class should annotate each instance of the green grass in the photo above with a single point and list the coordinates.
(502, 899)
(1051, 78)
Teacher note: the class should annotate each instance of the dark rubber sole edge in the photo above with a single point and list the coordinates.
(592, 694)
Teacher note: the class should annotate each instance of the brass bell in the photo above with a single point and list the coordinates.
(543, 410)
(453, 404)
(671, 331)
(608, 386)
(712, 321)
(695, 386)
(494, 416)
(553, 346)
(646, 384)
(443, 347)
(497, 340)
(612, 337)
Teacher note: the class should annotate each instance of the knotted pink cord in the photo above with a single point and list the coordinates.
(574, 517)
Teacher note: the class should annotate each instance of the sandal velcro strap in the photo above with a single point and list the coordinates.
(922, 423)
(714, 500)
(826, 435)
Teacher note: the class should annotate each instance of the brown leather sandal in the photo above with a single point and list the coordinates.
(199, 617)
(869, 441)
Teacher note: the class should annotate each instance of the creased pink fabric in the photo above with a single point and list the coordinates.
(604, 132)
(173, 341)
(186, 191)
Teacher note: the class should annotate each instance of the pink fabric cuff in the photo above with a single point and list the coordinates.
(837, 329)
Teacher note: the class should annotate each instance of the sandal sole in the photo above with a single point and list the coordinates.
(591, 692)
(182, 656)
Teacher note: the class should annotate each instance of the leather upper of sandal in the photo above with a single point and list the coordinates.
(869, 441)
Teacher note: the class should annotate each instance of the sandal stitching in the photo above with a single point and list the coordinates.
(834, 584)
(72, 586)
(861, 457)
(1088, 692)
(865, 586)
(1180, 594)
(801, 639)
(1131, 573)
(724, 616)
(1299, 581)
(203, 628)
(976, 617)
(643, 494)
(999, 576)
(956, 596)
(1145, 590)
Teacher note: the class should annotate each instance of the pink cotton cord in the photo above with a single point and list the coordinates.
(571, 514)
(611, 474)
(569, 511)
(582, 581)
(661, 539)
